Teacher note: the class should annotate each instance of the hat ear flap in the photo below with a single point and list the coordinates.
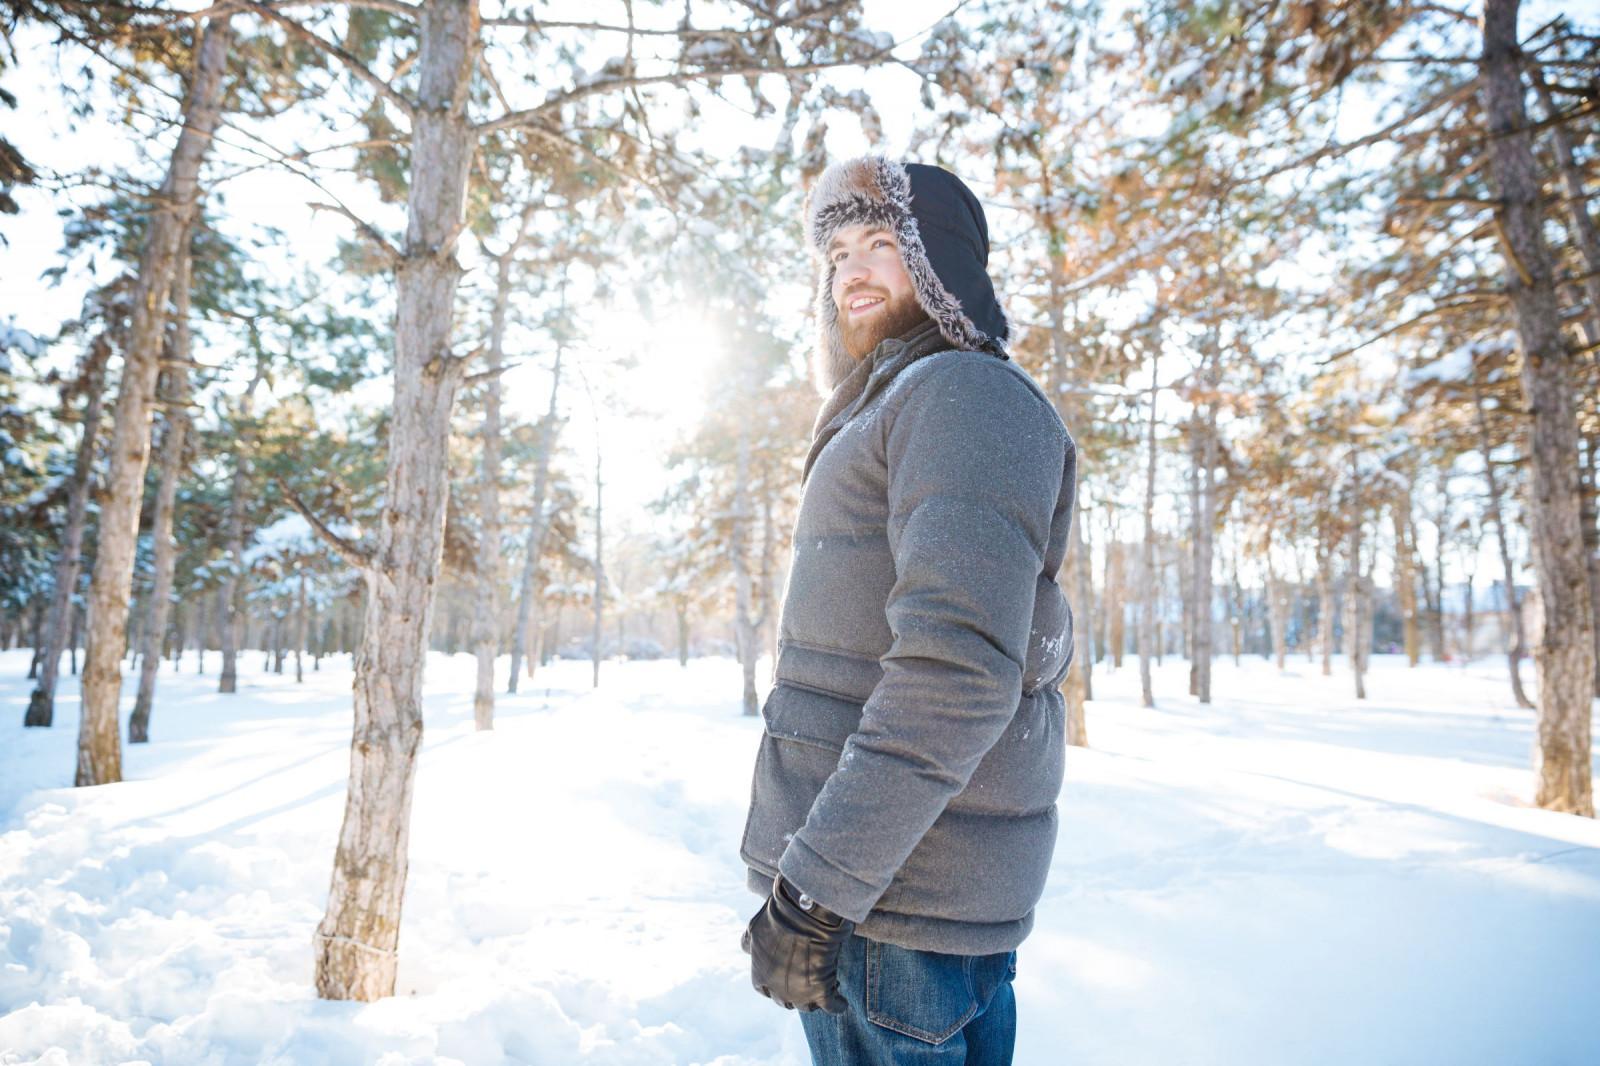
(830, 362)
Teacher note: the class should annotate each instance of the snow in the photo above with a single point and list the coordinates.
(1288, 875)
(1454, 366)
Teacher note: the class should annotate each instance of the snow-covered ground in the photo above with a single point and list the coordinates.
(1285, 877)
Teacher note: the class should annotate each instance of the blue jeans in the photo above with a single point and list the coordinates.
(917, 1007)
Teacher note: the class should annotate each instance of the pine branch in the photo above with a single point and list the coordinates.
(389, 251)
(519, 118)
(350, 62)
(1334, 151)
(355, 556)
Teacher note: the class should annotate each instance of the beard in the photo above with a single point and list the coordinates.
(897, 317)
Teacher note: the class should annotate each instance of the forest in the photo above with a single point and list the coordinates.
(345, 337)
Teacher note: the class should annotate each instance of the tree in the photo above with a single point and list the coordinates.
(172, 210)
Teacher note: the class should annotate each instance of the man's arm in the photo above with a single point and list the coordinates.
(975, 461)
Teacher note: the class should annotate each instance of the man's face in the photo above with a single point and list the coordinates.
(871, 289)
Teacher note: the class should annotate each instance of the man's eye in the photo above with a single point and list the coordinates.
(883, 240)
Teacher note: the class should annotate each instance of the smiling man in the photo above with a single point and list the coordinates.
(903, 810)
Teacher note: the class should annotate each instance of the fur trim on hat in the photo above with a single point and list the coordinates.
(874, 190)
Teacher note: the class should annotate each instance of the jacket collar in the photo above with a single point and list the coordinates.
(867, 379)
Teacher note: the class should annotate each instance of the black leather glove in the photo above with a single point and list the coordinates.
(794, 943)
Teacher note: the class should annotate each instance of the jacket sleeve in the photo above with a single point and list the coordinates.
(975, 460)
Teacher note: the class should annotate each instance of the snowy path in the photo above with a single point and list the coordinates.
(1285, 877)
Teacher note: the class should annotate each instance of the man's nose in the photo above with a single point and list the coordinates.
(852, 270)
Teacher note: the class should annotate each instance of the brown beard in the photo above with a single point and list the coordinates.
(899, 317)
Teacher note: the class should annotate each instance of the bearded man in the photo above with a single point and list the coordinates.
(903, 810)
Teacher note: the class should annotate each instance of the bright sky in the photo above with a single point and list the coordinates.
(668, 385)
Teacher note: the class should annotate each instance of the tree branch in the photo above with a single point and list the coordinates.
(356, 557)
(350, 62)
(518, 118)
(390, 252)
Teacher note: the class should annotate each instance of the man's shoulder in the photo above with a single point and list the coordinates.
(978, 378)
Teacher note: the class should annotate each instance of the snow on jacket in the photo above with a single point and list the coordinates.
(913, 748)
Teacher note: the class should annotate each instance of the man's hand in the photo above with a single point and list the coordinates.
(794, 945)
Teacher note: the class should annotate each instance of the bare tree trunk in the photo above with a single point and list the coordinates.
(1586, 236)
(527, 595)
(201, 620)
(746, 626)
(1326, 607)
(233, 619)
(63, 615)
(357, 941)
(166, 552)
(75, 640)
(599, 567)
(1441, 523)
(1519, 645)
(1116, 600)
(1405, 576)
(300, 630)
(1085, 583)
(491, 567)
(1591, 543)
(171, 210)
(1567, 643)
(1356, 635)
(1277, 612)
(1205, 520)
(1466, 616)
(1236, 602)
(680, 611)
(1075, 686)
(1147, 562)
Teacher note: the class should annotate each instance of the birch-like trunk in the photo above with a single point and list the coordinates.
(486, 607)
(301, 623)
(166, 551)
(1405, 576)
(1076, 686)
(1567, 642)
(1326, 607)
(1277, 612)
(529, 609)
(1147, 560)
(233, 618)
(1204, 522)
(599, 567)
(1519, 642)
(61, 624)
(746, 627)
(171, 210)
(358, 939)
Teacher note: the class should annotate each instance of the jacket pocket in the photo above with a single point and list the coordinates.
(921, 994)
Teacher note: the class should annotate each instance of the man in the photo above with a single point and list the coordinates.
(902, 814)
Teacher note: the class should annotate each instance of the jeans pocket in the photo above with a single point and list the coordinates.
(921, 994)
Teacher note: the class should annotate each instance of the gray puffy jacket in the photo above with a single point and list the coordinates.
(914, 737)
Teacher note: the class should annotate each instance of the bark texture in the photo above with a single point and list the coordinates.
(61, 624)
(486, 608)
(1147, 558)
(1519, 643)
(528, 606)
(1566, 645)
(358, 939)
(171, 210)
(166, 552)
